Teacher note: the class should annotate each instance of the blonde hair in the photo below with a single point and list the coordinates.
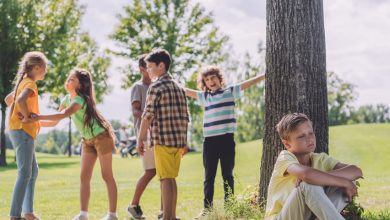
(26, 65)
(289, 123)
(207, 71)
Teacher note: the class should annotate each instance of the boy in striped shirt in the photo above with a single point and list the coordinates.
(219, 125)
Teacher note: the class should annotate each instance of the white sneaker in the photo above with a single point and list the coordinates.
(109, 217)
(80, 217)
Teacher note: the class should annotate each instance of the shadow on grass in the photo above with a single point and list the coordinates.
(43, 165)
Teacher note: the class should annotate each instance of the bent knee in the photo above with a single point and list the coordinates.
(307, 188)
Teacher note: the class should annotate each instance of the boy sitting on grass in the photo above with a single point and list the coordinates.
(305, 184)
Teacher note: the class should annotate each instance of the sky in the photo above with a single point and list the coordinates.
(357, 43)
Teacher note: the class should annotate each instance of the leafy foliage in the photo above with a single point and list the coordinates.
(53, 27)
(185, 30)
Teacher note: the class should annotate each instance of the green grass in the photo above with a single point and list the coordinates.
(57, 189)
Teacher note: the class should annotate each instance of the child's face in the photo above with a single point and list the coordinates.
(302, 140)
(72, 83)
(144, 73)
(155, 70)
(212, 82)
(39, 72)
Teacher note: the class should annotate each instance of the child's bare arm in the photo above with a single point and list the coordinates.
(136, 109)
(350, 172)
(61, 115)
(246, 84)
(9, 99)
(191, 93)
(48, 123)
(317, 177)
(22, 101)
(145, 124)
(314, 176)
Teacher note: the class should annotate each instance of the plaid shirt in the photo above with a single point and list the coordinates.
(166, 104)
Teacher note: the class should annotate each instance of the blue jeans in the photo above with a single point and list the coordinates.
(23, 194)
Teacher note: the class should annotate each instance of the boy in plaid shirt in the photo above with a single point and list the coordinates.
(167, 116)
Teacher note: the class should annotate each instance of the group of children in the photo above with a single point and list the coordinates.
(303, 185)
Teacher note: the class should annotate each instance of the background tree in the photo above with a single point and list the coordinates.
(184, 29)
(341, 94)
(379, 113)
(53, 27)
(296, 74)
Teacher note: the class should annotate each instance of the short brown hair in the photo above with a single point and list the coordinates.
(207, 71)
(159, 55)
(141, 60)
(289, 123)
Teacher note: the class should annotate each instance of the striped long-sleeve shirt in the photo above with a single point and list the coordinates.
(219, 110)
(166, 104)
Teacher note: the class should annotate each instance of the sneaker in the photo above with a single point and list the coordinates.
(80, 217)
(109, 217)
(202, 214)
(135, 212)
(160, 215)
(31, 216)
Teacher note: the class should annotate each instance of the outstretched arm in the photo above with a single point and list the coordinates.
(51, 123)
(246, 84)
(61, 115)
(191, 93)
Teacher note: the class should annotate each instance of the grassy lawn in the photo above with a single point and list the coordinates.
(57, 188)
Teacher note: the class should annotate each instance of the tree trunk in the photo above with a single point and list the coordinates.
(296, 75)
(3, 158)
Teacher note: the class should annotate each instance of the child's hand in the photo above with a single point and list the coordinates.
(20, 116)
(140, 147)
(298, 182)
(26, 120)
(350, 190)
(184, 151)
(33, 116)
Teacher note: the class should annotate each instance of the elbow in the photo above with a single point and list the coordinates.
(305, 175)
(359, 172)
(7, 102)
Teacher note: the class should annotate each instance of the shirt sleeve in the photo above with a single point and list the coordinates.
(285, 159)
(329, 162)
(152, 100)
(237, 93)
(65, 101)
(30, 85)
(78, 100)
(135, 94)
(201, 98)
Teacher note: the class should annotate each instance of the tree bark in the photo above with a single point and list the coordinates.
(296, 75)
